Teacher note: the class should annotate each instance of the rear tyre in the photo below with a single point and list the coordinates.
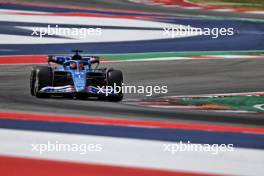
(41, 76)
(115, 77)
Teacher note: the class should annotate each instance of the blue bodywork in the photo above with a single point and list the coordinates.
(78, 74)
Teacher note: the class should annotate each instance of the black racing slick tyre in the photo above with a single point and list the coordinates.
(115, 77)
(41, 76)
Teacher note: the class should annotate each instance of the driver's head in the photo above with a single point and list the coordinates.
(73, 65)
(81, 66)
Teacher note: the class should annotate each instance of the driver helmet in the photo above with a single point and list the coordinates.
(81, 66)
(73, 65)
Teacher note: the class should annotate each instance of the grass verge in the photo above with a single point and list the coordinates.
(251, 4)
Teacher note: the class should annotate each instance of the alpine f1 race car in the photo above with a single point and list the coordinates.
(76, 77)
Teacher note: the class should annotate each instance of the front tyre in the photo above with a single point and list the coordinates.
(32, 82)
(41, 76)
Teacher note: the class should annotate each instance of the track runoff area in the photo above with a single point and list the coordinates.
(48, 144)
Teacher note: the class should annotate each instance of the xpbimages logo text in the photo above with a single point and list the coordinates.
(192, 31)
(63, 31)
(56, 146)
(194, 147)
(148, 90)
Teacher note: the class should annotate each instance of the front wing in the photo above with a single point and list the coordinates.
(70, 89)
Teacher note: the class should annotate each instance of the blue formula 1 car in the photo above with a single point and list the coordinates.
(76, 77)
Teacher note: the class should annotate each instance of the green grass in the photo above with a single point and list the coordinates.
(252, 4)
(135, 56)
(233, 102)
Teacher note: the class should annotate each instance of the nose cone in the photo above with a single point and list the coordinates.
(79, 88)
(79, 80)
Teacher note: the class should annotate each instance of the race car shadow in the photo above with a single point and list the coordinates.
(82, 98)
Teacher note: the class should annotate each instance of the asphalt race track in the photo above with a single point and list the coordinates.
(182, 78)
